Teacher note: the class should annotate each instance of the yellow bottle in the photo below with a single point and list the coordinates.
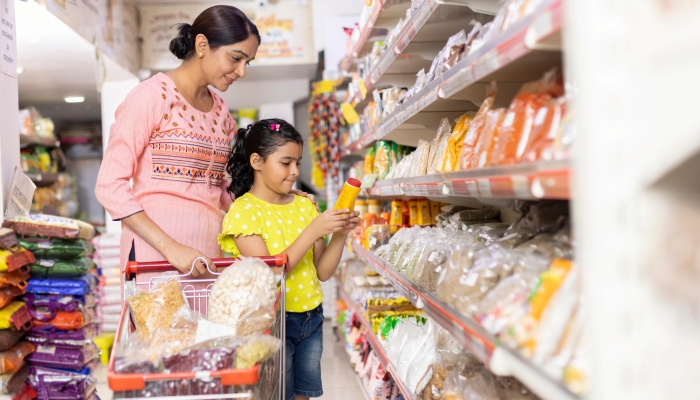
(434, 210)
(424, 217)
(347, 197)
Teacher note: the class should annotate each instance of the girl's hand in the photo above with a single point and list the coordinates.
(331, 221)
(351, 223)
(181, 257)
(307, 195)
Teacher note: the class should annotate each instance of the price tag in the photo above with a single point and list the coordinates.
(521, 186)
(541, 27)
(368, 181)
(484, 187)
(487, 64)
(472, 188)
(46, 349)
(446, 188)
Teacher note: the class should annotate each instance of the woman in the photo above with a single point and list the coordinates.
(172, 136)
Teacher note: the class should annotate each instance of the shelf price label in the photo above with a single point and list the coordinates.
(521, 186)
(484, 185)
(487, 64)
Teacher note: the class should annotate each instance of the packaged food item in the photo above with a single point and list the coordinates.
(256, 350)
(369, 160)
(50, 226)
(61, 249)
(8, 240)
(520, 117)
(346, 199)
(420, 164)
(382, 160)
(471, 138)
(64, 320)
(413, 210)
(12, 261)
(375, 207)
(244, 297)
(15, 315)
(454, 145)
(61, 384)
(8, 293)
(434, 211)
(14, 381)
(361, 207)
(157, 308)
(443, 134)
(545, 131)
(424, 217)
(476, 215)
(45, 268)
(487, 141)
(72, 287)
(9, 337)
(396, 215)
(73, 358)
(448, 56)
(202, 358)
(50, 336)
(11, 360)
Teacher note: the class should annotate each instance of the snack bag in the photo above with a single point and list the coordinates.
(489, 137)
(369, 161)
(7, 294)
(157, 308)
(11, 360)
(545, 131)
(437, 150)
(51, 226)
(382, 160)
(62, 268)
(63, 249)
(64, 320)
(471, 138)
(73, 358)
(454, 144)
(15, 315)
(13, 260)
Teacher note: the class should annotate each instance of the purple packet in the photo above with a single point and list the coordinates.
(60, 385)
(63, 357)
(48, 335)
(200, 360)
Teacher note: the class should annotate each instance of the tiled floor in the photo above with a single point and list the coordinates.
(339, 382)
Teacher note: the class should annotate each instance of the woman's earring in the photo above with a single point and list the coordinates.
(201, 55)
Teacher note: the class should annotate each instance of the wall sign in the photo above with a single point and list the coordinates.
(8, 45)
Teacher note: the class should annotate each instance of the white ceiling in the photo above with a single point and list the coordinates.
(57, 62)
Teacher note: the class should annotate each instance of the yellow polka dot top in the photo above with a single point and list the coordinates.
(279, 226)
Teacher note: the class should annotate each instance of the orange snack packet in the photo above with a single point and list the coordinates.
(487, 141)
(545, 131)
(471, 138)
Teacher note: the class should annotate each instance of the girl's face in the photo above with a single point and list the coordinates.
(226, 64)
(280, 170)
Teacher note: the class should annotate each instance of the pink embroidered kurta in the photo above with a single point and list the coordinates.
(176, 156)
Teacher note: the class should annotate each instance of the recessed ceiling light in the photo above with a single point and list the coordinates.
(20, 70)
(74, 99)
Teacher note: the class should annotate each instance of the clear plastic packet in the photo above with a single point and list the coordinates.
(415, 252)
(489, 136)
(212, 355)
(155, 309)
(422, 353)
(431, 265)
(421, 78)
(443, 134)
(457, 267)
(545, 131)
(404, 253)
(448, 56)
(509, 388)
(468, 156)
(255, 350)
(133, 356)
(505, 304)
(547, 247)
(452, 152)
(244, 296)
(476, 215)
(480, 34)
(421, 160)
(397, 244)
(470, 385)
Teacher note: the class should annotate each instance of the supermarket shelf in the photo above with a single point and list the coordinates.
(344, 341)
(374, 342)
(471, 335)
(521, 53)
(539, 180)
(26, 140)
(43, 179)
(414, 48)
(389, 10)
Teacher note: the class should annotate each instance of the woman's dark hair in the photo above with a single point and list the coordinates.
(263, 137)
(221, 25)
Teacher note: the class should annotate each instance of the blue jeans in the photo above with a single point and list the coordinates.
(304, 348)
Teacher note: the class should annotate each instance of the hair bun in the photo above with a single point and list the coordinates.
(182, 45)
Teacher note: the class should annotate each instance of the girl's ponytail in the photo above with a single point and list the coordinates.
(238, 166)
(262, 138)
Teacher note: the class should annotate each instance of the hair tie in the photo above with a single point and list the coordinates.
(275, 127)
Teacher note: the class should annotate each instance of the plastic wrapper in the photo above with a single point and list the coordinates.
(61, 268)
(422, 356)
(505, 304)
(9, 337)
(72, 287)
(65, 320)
(11, 360)
(134, 356)
(14, 381)
(477, 385)
(407, 247)
(8, 294)
(519, 119)
(50, 226)
(157, 308)
(204, 357)
(420, 161)
(546, 246)
(382, 160)
(468, 156)
(15, 315)
(8, 240)
(414, 253)
(15, 278)
(369, 161)
(73, 358)
(398, 241)
(437, 149)
(256, 350)
(45, 307)
(244, 297)
(11, 260)
(453, 150)
(431, 265)
(421, 81)
(59, 249)
(545, 131)
(476, 215)
(448, 56)
(50, 336)
(487, 141)
(61, 385)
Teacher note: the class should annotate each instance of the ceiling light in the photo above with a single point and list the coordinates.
(20, 70)
(74, 99)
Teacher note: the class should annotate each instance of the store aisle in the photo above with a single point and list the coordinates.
(339, 382)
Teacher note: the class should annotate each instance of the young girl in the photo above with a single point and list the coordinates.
(266, 219)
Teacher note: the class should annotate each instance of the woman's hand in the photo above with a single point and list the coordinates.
(331, 221)
(181, 257)
(351, 223)
(307, 195)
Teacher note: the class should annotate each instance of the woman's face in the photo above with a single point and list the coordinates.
(226, 64)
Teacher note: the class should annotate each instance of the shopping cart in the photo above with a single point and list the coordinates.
(262, 382)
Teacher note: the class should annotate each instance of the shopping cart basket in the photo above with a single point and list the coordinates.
(262, 382)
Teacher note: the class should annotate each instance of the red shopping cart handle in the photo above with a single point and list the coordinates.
(134, 267)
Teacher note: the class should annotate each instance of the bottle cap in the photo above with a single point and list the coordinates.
(354, 182)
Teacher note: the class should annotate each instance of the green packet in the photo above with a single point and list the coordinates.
(61, 268)
(64, 249)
